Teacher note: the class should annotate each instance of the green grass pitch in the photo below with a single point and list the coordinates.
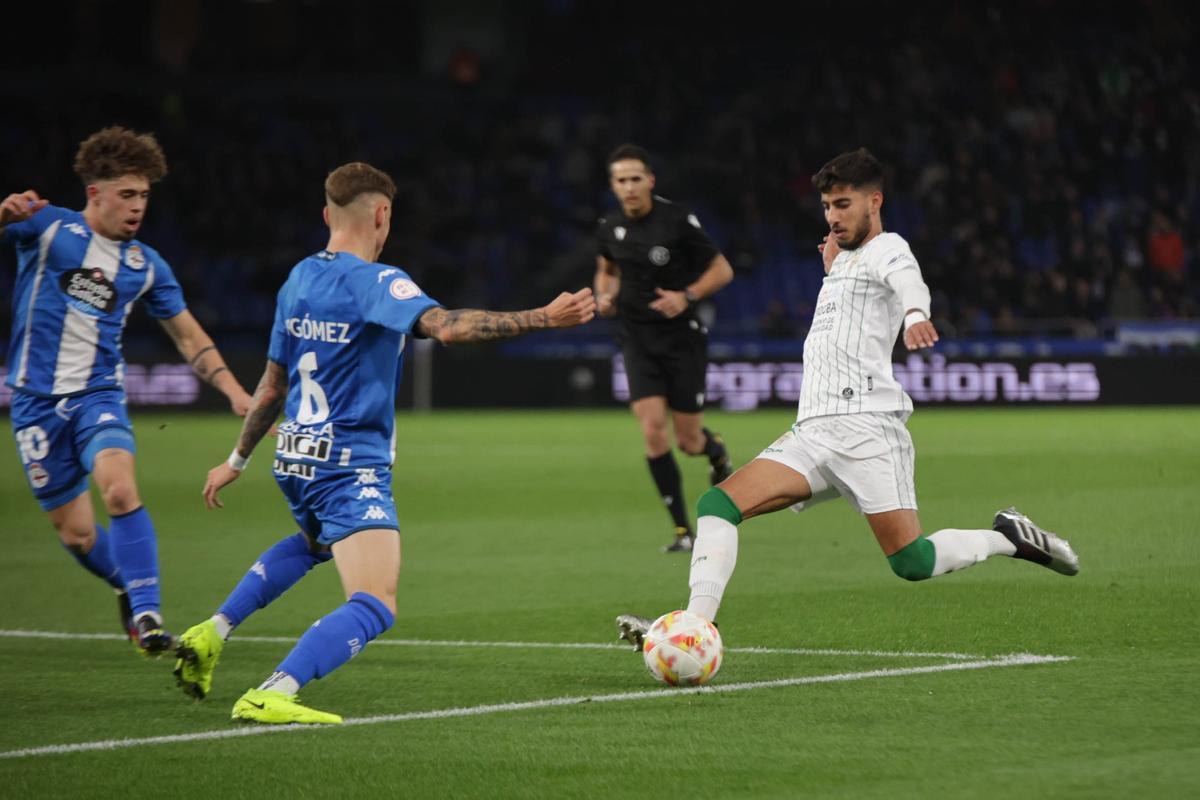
(541, 527)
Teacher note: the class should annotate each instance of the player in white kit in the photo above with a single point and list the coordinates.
(849, 437)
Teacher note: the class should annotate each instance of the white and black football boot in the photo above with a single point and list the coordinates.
(632, 628)
(1035, 544)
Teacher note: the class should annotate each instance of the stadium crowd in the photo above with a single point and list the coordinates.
(1043, 163)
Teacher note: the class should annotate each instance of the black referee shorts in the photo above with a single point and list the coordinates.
(665, 360)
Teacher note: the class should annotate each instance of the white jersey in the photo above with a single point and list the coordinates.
(848, 351)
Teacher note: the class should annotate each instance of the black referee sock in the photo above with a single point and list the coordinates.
(666, 476)
(714, 448)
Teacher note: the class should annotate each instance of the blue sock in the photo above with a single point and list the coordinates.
(275, 571)
(135, 550)
(99, 560)
(337, 637)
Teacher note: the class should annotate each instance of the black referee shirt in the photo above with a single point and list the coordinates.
(664, 249)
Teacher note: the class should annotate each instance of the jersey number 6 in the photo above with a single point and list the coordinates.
(314, 406)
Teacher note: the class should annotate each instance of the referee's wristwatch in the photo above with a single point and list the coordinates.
(691, 297)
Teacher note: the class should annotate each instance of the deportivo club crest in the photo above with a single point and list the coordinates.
(659, 255)
(134, 257)
(38, 476)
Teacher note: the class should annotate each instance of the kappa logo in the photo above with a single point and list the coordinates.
(383, 273)
(369, 493)
(659, 255)
(259, 570)
(134, 257)
(77, 229)
(693, 221)
(402, 289)
(375, 512)
(366, 476)
(619, 232)
(847, 393)
(106, 417)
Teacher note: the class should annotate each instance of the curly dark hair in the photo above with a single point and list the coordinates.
(115, 152)
(350, 180)
(858, 169)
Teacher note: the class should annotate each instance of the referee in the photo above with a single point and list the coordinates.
(653, 264)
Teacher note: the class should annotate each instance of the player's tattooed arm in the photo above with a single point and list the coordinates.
(269, 399)
(205, 371)
(268, 402)
(459, 326)
(205, 360)
(473, 325)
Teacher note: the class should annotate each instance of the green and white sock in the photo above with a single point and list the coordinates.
(947, 550)
(957, 549)
(714, 553)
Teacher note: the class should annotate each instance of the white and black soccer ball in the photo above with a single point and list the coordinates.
(682, 649)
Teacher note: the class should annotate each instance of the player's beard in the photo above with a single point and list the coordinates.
(860, 234)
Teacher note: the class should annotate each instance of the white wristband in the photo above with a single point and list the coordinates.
(913, 318)
(236, 461)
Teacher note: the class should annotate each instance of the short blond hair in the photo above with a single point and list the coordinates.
(349, 181)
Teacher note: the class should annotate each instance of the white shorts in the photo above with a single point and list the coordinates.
(866, 458)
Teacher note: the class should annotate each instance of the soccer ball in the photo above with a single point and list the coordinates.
(682, 649)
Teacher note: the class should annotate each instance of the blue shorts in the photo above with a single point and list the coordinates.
(331, 504)
(58, 438)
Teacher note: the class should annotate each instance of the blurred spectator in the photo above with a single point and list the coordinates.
(1164, 249)
(1126, 301)
(1029, 173)
(775, 323)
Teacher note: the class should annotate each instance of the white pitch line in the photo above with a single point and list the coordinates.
(1014, 660)
(799, 651)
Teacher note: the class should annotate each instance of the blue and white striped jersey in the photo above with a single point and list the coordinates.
(73, 292)
(340, 329)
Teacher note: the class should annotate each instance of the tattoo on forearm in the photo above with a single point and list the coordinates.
(201, 352)
(269, 399)
(474, 325)
(201, 366)
(258, 422)
(212, 378)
